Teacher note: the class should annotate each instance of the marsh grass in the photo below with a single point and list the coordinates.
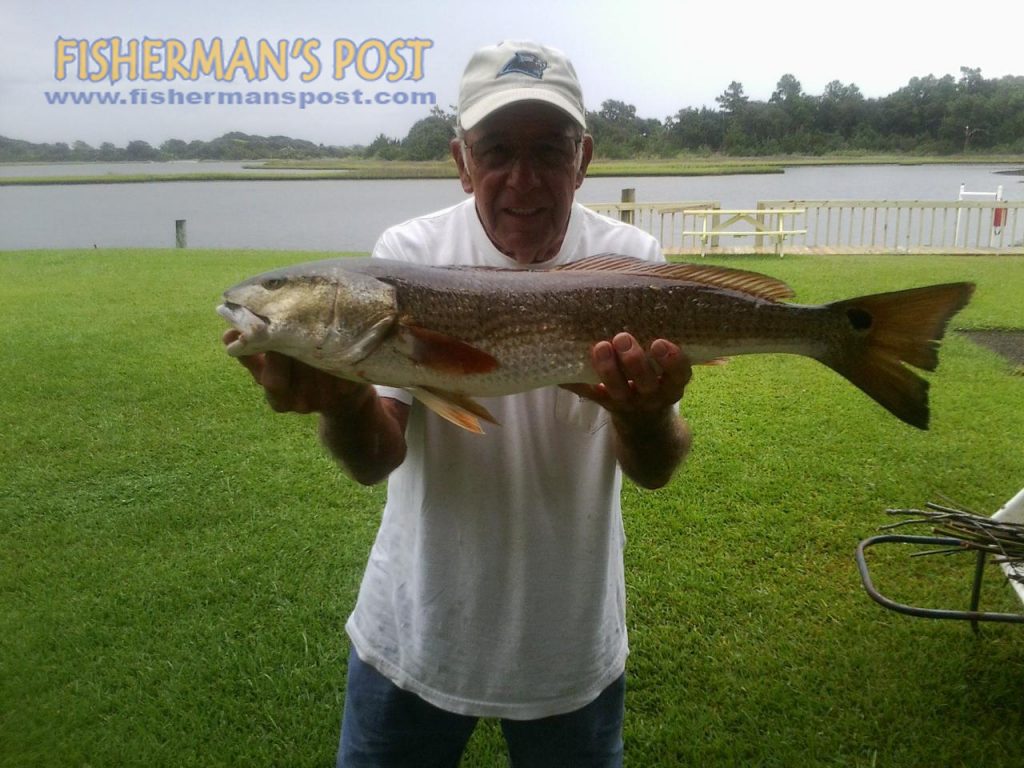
(177, 561)
(373, 168)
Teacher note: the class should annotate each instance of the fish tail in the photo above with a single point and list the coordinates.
(889, 332)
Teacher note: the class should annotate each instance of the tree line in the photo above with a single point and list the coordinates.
(929, 115)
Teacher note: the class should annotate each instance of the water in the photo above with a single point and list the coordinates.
(341, 215)
(124, 168)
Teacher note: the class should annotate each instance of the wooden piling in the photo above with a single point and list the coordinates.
(626, 214)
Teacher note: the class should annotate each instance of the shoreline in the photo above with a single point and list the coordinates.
(364, 170)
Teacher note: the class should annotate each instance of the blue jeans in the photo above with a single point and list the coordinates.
(386, 727)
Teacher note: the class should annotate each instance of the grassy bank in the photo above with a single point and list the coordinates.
(178, 561)
(376, 169)
(156, 177)
(356, 169)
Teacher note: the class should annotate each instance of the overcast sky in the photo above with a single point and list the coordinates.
(659, 56)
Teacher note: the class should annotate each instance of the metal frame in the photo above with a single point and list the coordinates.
(972, 615)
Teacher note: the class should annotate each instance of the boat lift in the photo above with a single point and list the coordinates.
(998, 215)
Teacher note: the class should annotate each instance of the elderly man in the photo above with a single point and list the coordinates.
(495, 586)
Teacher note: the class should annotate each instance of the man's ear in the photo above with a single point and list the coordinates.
(588, 154)
(460, 162)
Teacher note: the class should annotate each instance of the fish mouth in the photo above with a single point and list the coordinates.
(252, 327)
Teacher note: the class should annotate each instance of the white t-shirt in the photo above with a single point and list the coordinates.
(495, 587)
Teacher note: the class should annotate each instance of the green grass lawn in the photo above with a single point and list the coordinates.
(177, 561)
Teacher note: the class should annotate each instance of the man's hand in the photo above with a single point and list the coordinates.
(293, 386)
(634, 382)
(364, 432)
(640, 391)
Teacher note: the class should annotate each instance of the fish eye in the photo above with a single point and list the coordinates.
(273, 283)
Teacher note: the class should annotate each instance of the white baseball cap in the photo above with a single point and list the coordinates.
(510, 72)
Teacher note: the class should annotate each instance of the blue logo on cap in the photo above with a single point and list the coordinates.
(525, 63)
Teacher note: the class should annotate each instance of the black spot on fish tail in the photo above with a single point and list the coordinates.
(860, 319)
(890, 334)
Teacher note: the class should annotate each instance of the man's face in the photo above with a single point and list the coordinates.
(524, 164)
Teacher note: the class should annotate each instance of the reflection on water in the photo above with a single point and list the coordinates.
(339, 215)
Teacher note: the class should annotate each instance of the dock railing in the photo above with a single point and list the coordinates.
(834, 226)
(666, 221)
(909, 226)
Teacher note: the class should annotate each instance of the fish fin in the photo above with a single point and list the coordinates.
(751, 283)
(892, 331)
(442, 352)
(370, 340)
(458, 409)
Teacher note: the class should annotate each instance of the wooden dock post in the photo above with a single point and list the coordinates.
(180, 238)
(628, 196)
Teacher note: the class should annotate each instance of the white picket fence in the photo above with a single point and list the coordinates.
(910, 226)
(832, 226)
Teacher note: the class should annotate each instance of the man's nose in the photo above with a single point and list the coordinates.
(523, 174)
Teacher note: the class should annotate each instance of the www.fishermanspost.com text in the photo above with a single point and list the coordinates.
(302, 99)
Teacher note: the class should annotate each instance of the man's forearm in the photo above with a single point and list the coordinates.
(366, 436)
(651, 447)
